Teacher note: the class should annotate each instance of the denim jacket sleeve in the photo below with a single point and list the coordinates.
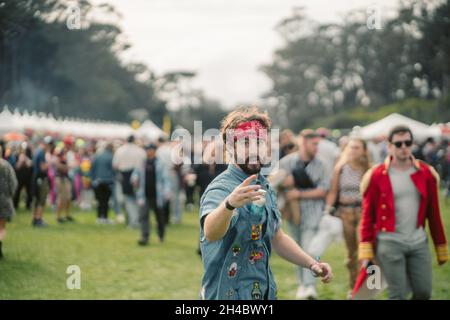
(93, 170)
(138, 177)
(163, 182)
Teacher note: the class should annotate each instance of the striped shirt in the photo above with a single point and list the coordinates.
(311, 209)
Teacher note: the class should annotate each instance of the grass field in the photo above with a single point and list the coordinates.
(114, 267)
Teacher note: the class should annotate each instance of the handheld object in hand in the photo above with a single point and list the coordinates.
(262, 199)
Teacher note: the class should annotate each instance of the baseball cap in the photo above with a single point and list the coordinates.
(150, 146)
(48, 140)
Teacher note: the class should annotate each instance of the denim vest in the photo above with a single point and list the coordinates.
(237, 266)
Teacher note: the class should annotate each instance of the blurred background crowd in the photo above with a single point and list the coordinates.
(92, 173)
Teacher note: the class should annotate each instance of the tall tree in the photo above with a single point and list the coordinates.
(47, 66)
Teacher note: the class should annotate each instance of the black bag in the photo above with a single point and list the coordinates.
(301, 178)
(125, 179)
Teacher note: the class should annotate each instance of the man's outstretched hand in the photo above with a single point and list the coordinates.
(244, 193)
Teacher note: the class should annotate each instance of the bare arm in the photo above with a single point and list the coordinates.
(288, 249)
(313, 194)
(332, 194)
(61, 166)
(218, 221)
(43, 166)
(297, 194)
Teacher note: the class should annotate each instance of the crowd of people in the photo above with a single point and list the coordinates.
(329, 180)
(130, 178)
(375, 195)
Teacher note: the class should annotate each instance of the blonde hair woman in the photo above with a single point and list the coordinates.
(345, 195)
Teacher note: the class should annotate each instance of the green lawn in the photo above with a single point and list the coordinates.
(114, 267)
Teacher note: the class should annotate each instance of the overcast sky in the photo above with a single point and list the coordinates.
(223, 40)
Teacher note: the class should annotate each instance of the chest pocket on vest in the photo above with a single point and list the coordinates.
(255, 225)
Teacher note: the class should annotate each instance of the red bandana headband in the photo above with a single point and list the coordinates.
(250, 129)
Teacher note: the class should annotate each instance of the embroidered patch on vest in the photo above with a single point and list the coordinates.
(256, 231)
(229, 294)
(256, 291)
(235, 249)
(255, 256)
(232, 270)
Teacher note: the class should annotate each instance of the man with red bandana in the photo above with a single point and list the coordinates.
(240, 221)
(398, 197)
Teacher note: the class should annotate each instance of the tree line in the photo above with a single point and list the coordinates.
(336, 74)
(329, 71)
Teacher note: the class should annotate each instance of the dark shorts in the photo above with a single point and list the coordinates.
(41, 188)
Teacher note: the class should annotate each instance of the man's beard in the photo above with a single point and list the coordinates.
(253, 168)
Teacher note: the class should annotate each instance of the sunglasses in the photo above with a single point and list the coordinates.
(398, 144)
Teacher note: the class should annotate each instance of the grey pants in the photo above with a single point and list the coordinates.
(406, 267)
(303, 236)
(132, 209)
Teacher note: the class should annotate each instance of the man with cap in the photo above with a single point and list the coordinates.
(153, 182)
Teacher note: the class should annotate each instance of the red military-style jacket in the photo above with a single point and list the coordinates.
(378, 210)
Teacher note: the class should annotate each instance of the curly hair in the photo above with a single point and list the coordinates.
(243, 114)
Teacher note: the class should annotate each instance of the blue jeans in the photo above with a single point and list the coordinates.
(177, 198)
(117, 197)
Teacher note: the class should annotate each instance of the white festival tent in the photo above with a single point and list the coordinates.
(149, 131)
(47, 124)
(381, 127)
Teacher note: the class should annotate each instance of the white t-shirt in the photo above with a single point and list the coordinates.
(128, 157)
